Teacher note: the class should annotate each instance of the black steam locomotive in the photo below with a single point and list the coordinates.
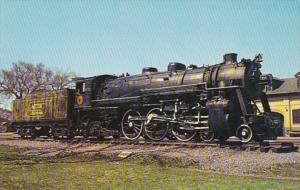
(208, 102)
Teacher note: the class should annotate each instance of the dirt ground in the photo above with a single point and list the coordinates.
(215, 159)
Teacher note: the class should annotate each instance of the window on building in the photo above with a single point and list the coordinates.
(296, 116)
(268, 88)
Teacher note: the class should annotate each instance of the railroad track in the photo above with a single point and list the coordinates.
(278, 146)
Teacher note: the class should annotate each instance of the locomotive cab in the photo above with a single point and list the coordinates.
(89, 89)
(83, 92)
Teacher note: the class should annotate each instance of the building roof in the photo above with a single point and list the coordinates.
(290, 85)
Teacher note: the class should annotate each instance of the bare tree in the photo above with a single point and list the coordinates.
(24, 78)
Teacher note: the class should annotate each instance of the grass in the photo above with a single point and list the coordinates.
(20, 172)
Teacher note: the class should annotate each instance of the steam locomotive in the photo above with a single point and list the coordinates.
(207, 103)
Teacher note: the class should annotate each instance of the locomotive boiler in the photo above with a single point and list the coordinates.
(207, 102)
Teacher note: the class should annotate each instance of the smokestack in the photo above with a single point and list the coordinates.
(230, 58)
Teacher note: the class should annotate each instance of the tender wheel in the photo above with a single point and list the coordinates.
(85, 133)
(132, 125)
(207, 136)
(22, 133)
(32, 133)
(244, 133)
(47, 133)
(70, 135)
(156, 129)
(184, 132)
(55, 134)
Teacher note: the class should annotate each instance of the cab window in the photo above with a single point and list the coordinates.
(80, 87)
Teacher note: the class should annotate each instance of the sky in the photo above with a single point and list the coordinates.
(115, 37)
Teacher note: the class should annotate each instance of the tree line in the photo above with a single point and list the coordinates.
(25, 78)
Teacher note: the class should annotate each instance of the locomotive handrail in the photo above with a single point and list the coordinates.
(110, 99)
(179, 86)
(174, 91)
(225, 87)
(164, 101)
